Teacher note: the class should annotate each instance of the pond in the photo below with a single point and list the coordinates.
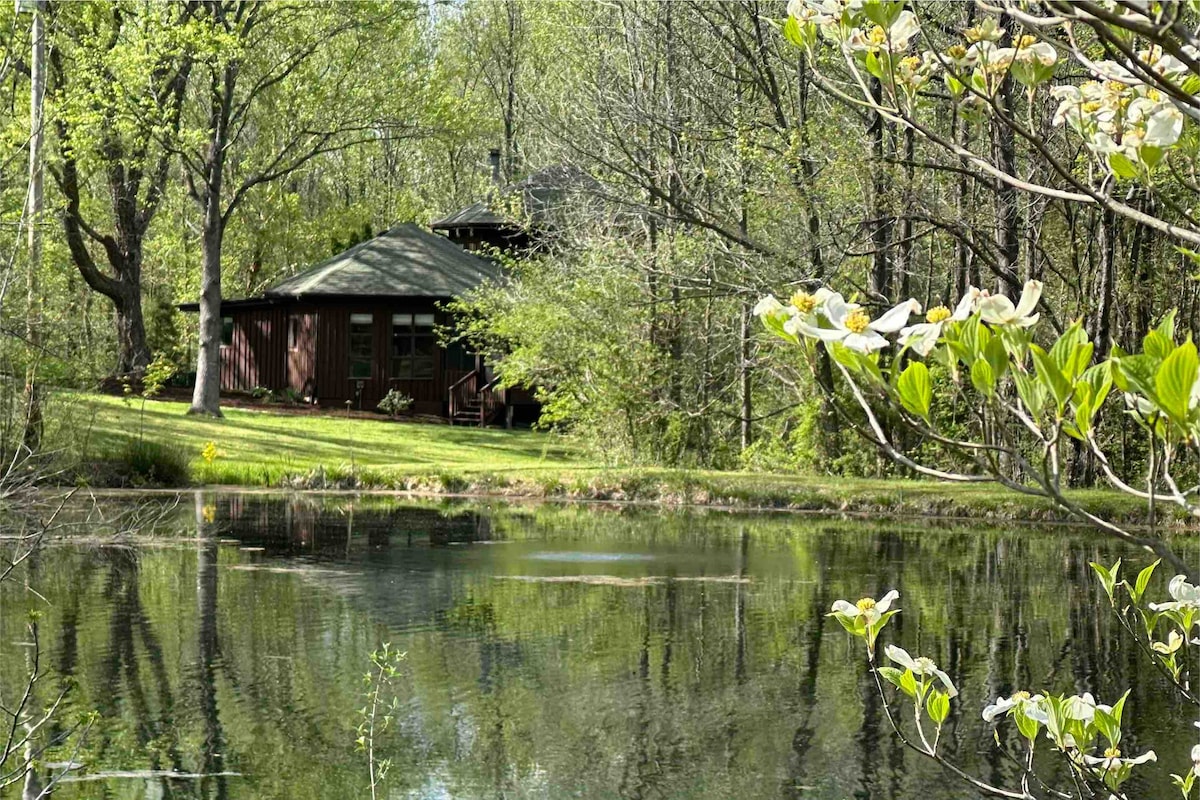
(550, 651)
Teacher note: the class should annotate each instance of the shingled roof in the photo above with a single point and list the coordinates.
(406, 261)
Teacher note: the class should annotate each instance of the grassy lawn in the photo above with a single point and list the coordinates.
(260, 447)
(265, 449)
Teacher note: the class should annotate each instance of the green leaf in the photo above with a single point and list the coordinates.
(1122, 167)
(1027, 726)
(908, 683)
(892, 676)
(1108, 726)
(1051, 376)
(916, 389)
(983, 378)
(969, 339)
(795, 32)
(1157, 345)
(1100, 378)
(996, 355)
(1174, 380)
(1166, 326)
(1063, 349)
(873, 65)
(938, 706)
(1108, 577)
(1031, 393)
(1143, 580)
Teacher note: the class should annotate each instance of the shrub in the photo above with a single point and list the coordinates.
(148, 463)
(394, 403)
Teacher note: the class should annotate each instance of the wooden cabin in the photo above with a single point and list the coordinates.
(363, 322)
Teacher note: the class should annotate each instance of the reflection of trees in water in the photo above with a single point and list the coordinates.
(121, 681)
(516, 682)
(207, 654)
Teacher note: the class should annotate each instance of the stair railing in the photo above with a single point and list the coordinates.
(492, 398)
(462, 390)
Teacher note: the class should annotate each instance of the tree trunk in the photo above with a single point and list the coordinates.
(206, 397)
(133, 351)
(1008, 214)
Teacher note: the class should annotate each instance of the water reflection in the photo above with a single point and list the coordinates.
(632, 655)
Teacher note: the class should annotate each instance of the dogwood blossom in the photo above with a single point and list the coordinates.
(921, 666)
(1112, 759)
(866, 618)
(923, 337)
(867, 610)
(1030, 705)
(997, 309)
(895, 39)
(850, 324)
(1183, 596)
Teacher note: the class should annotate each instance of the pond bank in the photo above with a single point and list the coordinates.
(249, 448)
(737, 491)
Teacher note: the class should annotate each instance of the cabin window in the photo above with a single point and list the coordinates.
(360, 345)
(226, 331)
(293, 332)
(413, 347)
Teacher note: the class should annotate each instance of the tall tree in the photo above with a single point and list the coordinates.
(119, 76)
(282, 83)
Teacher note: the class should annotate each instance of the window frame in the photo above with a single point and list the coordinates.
(227, 325)
(353, 359)
(418, 327)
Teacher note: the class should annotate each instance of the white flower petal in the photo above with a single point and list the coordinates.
(966, 305)
(1029, 298)
(767, 305)
(865, 342)
(886, 601)
(797, 326)
(896, 318)
(901, 657)
(946, 682)
(845, 607)
(835, 309)
(996, 309)
(921, 338)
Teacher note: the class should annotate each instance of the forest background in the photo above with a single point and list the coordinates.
(256, 139)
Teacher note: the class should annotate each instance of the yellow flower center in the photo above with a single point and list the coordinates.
(1153, 94)
(1091, 107)
(1019, 696)
(865, 605)
(937, 314)
(957, 52)
(1112, 752)
(857, 321)
(910, 63)
(804, 302)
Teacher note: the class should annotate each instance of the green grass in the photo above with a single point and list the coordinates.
(261, 448)
(265, 449)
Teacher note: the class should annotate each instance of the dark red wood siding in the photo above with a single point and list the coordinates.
(316, 363)
(255, 354)
(335, 387)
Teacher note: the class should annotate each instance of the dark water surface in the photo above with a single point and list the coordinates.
(552, 652)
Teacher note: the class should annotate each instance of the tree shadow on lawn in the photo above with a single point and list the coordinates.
(254, 436)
